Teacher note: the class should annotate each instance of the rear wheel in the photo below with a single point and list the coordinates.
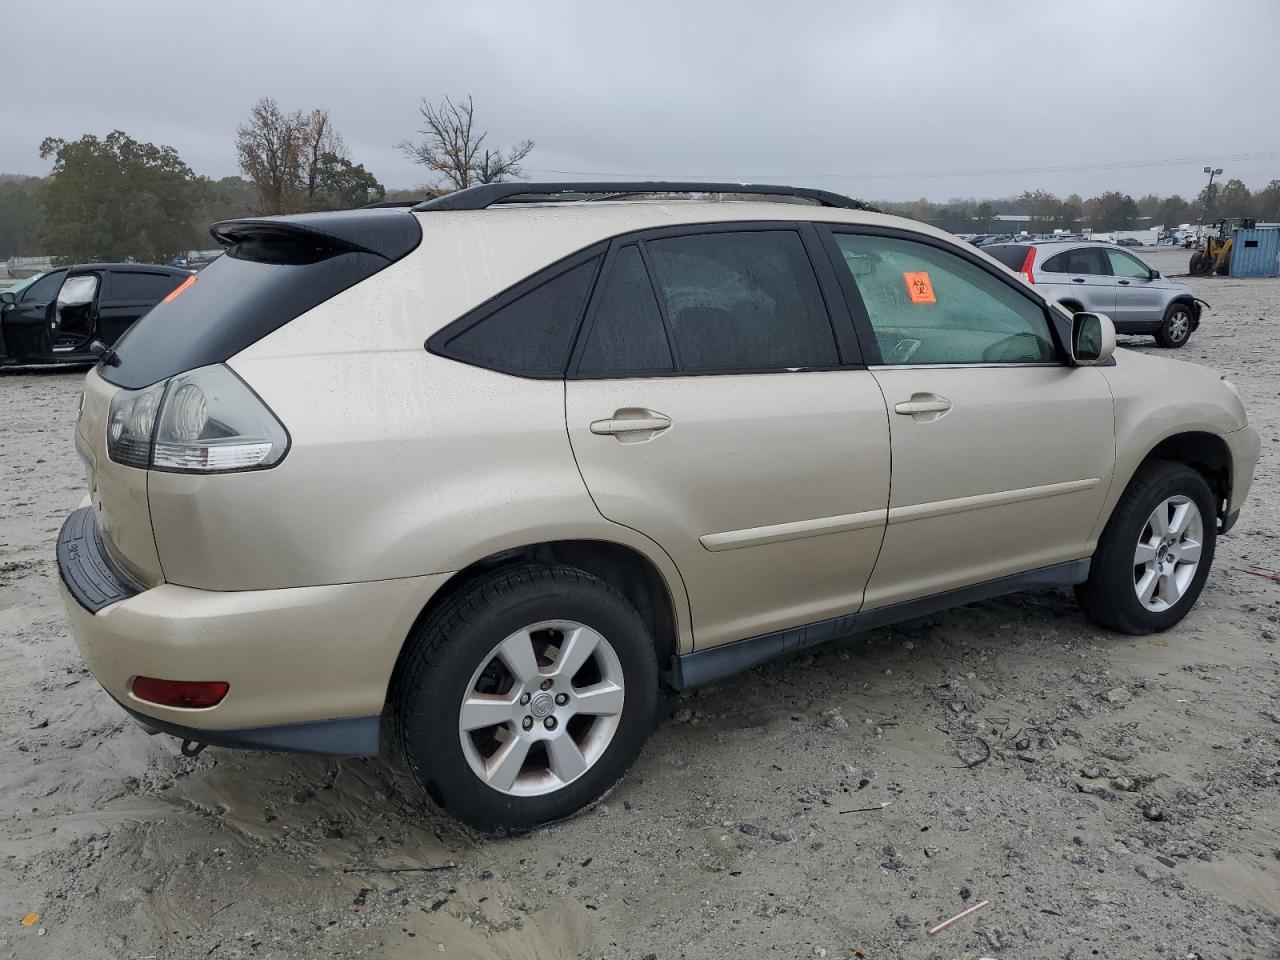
(526, 696)
(1175, 331)
(1154, 555)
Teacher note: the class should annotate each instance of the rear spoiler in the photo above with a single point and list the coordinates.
(387, 232)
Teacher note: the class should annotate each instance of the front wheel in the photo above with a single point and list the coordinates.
(526, 696)
(1175, 331)
(1154, 555)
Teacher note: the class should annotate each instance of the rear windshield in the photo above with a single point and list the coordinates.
(273, 270)
(1012, 255)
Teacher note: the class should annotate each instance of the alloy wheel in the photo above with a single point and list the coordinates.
(542, 708)
(1179, 326)
(1168, 553)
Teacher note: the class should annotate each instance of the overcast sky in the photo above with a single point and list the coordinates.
(884, 100)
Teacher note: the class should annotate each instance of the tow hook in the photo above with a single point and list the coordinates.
(192, 749)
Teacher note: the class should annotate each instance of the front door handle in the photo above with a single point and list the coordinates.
(1077, 279)
(632, 424)
(924, 407)
(1123, 283)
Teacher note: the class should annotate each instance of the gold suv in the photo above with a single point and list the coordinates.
(496, 466)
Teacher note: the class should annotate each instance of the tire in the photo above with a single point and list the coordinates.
(1175, 330)
(454, 653)
(1110, 596)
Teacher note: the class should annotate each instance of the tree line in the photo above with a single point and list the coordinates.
(1107, 211)
(116, 198)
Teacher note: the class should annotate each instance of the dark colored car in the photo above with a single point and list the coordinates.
(1128, 242)
(55, 318)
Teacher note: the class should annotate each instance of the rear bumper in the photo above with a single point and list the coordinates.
(308, 667)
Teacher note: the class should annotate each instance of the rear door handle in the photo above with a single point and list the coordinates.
(1123, 283)
(631, 424)
(923, 407)
(1077, 279)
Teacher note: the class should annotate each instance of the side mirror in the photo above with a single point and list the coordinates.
(8, 298)
(1093, 339)
(1155, 275)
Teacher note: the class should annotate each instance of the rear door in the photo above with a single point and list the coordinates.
(1139, 295)
(1002, 451)
(1091, 283)
(717, 403)
(128, 295)
(74, 317)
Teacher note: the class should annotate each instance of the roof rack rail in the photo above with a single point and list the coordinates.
(488, 194)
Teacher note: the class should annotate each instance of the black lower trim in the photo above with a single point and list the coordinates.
(349, 736)
(84, 566)
(708, 666)
(1228, 522)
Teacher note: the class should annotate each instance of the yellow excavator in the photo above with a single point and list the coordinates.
(1213, 253)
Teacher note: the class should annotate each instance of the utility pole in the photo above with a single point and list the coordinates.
(1212, 172)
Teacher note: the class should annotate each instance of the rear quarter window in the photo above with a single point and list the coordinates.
(1055, 264)
(528, 334)
(1012, 255)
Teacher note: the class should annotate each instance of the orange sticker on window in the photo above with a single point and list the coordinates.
(919, 288)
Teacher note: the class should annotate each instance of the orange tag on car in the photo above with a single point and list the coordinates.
(919, 288)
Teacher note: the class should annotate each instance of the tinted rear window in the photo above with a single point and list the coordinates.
(627, 335)
(1012, 255)
(141, 286)
(743, 301)
(529, 336)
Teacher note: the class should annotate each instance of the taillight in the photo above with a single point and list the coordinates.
(203, 421)
(1027, 264)
(187, 694)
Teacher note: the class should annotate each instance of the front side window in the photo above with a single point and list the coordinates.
(742, 301)
(929, 306)
(627, 335)
(1087, 261)
(44, 289)
(531, 335)
(1124, 265)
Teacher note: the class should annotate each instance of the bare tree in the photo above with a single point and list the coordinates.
(454, 150)
(298, 161)
(269, 149)
(319, 140)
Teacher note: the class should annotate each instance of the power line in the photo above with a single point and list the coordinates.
(917, 174)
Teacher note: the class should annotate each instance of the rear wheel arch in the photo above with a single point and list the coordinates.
(635, 576)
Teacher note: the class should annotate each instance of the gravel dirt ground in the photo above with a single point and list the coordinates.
(1110, 796)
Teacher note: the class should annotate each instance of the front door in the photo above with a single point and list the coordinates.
(1002, 451)
(26, 323)
(1139, 295)
(713, 406)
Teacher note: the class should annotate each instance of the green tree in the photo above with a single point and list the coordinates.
(21, 217)
(117, 199)
(1173, 211)
(342, 185)
(1112, 211)
(1235, 200)
(1266, 202)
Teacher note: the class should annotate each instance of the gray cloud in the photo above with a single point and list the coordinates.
(863, 98)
